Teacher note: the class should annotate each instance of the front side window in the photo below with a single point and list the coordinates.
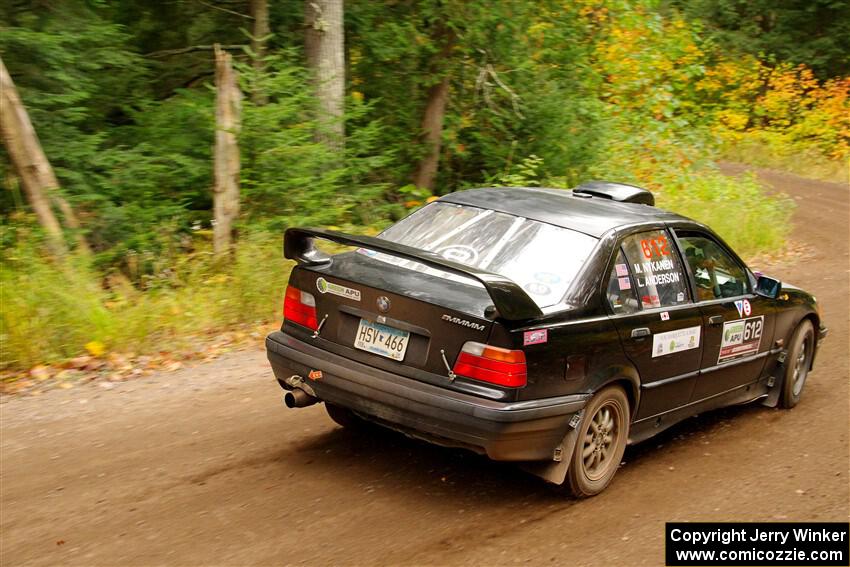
(542, 258)
(659, 278)
(716, 273)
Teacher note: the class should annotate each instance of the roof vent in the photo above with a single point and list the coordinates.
(621, 192)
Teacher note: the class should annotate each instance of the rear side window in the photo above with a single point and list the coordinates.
(716, 273)
(621, 294)
(658, 275)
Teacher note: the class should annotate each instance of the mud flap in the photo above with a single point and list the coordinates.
(775, 382)
(555, 471)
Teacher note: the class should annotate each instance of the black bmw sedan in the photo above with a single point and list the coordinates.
(543, 326)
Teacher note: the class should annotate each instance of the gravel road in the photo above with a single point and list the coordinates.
(204, 466)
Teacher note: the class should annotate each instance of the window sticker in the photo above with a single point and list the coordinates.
(740, 338)
(547, 277)
(676, 341)
(620, 293)
(658, 275)
(459, 253)
(535, 288)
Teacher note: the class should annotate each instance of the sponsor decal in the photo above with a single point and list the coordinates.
(748, 309)
(740, 338)
(463, 322)
(665, 316)
(739, 305)
(672, 342)
(315, 375)
(535, 337)
(324, 286)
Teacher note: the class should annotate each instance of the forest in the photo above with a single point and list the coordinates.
(184, 137)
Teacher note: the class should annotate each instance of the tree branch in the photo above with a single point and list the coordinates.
(190, 49)
(235, 13)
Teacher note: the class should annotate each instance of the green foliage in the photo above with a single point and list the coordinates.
(50, 311)
(289, 178)
(814, 32)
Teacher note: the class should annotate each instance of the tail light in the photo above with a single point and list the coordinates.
(300, 307)
(492, 364)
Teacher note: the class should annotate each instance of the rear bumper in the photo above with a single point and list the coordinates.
(513, 431)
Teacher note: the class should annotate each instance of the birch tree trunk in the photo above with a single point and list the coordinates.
(324, 44)
(260, 10)
(31, 165)
(226, 184)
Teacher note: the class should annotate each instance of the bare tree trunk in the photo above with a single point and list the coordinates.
(435, 110)
(30, 163)
(260, 9)
(324, 43)
(432, 128)
(227, 119)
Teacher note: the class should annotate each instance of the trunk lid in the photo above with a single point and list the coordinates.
(440, 314)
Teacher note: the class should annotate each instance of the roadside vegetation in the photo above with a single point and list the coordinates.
(427, 97)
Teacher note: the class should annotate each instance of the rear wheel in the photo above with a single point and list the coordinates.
(343, 416)
(602, 436)
(797, 364)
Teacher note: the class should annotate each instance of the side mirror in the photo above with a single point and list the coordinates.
(768, 287)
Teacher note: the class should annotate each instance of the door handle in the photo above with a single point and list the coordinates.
(640, 333)
(715, 320)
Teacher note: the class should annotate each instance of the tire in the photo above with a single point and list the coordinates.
(798, 362)
(343, 416)
(602, 436)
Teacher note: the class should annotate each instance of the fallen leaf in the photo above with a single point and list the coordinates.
(40, 372)
(95, 348)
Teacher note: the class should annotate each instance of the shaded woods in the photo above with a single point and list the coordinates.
(150, 147)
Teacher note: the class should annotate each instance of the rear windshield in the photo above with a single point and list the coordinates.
(542, 258)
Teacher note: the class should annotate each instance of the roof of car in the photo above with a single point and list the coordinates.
(591, 215)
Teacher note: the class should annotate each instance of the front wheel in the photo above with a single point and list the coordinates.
(797, 364)
(601, 441)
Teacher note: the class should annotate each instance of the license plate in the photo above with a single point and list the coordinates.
(380, 339)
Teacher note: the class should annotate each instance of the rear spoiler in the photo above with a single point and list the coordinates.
(510, 300)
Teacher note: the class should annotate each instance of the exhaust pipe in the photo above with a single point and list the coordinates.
(298, 399)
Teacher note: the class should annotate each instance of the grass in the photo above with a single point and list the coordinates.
(50, 312)
(807, 162)
(737, 208)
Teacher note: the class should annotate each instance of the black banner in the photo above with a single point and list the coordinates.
(757, 543)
